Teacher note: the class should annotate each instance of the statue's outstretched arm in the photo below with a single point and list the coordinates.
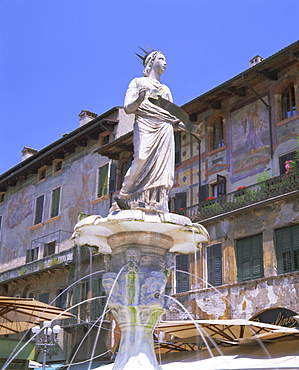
(132, 106)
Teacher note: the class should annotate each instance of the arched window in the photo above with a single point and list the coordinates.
(123, 170)
(218, 136)
(288, 102)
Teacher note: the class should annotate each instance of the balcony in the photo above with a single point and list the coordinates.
(243, 197)
(53, 261)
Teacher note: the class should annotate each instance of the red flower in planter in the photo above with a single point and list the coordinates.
(241, 187)
(210, 198)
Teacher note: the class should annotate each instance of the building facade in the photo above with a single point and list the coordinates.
(233, 181)
(247, 198)
(42, 199)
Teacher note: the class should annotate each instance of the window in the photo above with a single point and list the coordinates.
(180, 201)
(49, 248)
(288, 102)
(32, 254)
(85, 293)
(61, 297)
(39, 208)
(178, 147)
(219, 188)
(203, 192)
(103, 180)
(44, 297)
(214, 264)
(287, 249)
(182, 279)
(112, 180)
(2, 197)
(97, 305)
(31, 294)
(84, 290)
(218, 137)
(123, 170)
(57, 165)
(250, 258)
(55, 202)
(105, 139)
(282, 160)
(41, 173)
(0, 222)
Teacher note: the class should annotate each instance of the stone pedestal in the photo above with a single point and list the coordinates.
(139, 250)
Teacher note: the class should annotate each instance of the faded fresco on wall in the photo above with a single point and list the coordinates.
(250, 139)
(20, 206)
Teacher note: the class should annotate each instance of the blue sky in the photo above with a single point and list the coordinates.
(58, 57)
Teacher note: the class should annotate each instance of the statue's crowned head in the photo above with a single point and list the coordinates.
(148, 59)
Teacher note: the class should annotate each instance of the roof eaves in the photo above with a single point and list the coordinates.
(66, 139)
(246, 72)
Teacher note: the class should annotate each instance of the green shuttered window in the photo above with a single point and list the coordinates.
(250, 258)
(182, 279)
(103, 180)
(287, 249)
(55, 202)
(39, 210)
(214, 264)
(178, 148)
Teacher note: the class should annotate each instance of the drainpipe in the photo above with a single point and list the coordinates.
(199, 167)
(269, 113)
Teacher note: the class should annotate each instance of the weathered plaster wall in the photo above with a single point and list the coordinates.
(78, 181)
(244, 299)
(238, 301)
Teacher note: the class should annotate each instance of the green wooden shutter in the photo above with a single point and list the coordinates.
(250, 258)
(39, 209)
(61, 298)
(29, 255)
(44, 297)
(287, 249)
(221, 185)
(112, 180)
(295, 236)
(97, 305)
(103, 181)
(182, 279)
(180, 201)
(177, 153)
(203, 193)
(214, 262)
(55, 202)
(257, 257)
(35, 253)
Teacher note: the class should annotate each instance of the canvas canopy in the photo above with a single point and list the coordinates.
(19, 314)
(231, 331)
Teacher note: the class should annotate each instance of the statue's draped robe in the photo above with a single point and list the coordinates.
(150, 177)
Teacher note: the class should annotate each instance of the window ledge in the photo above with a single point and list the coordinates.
(287, 120)
(37, 226)
(53, 219)
(55, 173)
(40, 181)
(214, 151)
(101, 199)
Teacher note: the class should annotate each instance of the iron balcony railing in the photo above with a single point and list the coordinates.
(244, 196)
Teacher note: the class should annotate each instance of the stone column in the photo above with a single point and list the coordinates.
(136, 294)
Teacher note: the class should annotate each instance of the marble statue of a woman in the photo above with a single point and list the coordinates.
(150, 177)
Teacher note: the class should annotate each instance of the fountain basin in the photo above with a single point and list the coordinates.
(95, 230)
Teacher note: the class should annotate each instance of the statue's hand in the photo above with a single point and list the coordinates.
(142, 94)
